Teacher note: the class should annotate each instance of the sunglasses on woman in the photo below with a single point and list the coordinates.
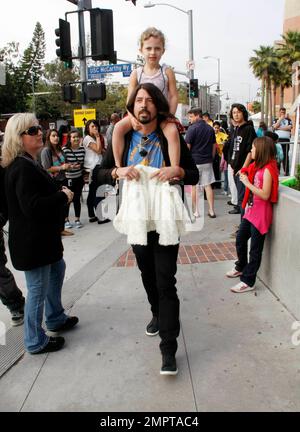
(33, 130)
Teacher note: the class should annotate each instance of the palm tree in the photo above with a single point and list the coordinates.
(280, 78)
(289, 53)
(263, 65)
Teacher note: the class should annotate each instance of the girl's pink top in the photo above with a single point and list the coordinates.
(260, 214)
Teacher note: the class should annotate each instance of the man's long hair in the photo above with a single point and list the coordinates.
(241, 108)
(159, 100)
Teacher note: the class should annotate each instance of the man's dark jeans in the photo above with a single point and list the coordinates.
(158, 266)
(241, 192)
(286, 162)
(249, 269)
(91, 199)
(10, 295)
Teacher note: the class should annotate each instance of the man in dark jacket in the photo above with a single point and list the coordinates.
(10, 295)
(157, 263)
(241, 138)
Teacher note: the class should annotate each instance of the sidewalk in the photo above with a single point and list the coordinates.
(235, 351)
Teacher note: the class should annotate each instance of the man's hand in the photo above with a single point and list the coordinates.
(129, 173)
(168, 173)
(68, 192)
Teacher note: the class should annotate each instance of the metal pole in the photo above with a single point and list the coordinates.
(33, 94)
(191, 44)
(219, 89)
(296, 139)
(191, 48)
(82, 52)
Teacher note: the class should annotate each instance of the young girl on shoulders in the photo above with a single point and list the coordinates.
(152, 46)
(261, 181)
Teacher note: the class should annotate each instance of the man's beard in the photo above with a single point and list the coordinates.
(145, 120)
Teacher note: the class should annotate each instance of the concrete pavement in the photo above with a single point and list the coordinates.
(235, 350)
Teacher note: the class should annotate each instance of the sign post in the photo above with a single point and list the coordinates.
(97, 72)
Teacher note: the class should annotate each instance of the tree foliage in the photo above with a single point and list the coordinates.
(273, 66)
(22, 73)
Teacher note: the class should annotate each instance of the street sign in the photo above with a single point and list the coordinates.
(190, 65)
(81, 116)
(95, 72)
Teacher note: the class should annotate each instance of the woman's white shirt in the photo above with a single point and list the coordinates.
(91, 157)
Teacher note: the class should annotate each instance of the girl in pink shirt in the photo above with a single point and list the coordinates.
(261, 181)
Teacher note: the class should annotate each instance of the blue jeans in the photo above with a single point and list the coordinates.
(44, 285)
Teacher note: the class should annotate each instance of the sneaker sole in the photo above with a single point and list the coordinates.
(234, 277)
(16, 324)
(242, 291)
(152, 334)
(171, 373)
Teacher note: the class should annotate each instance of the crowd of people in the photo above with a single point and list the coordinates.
(147, 146)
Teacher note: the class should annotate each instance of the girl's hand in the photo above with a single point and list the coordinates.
(167, 173)
(129, 173)
(136, 125)
(244, 179)
(66, 166)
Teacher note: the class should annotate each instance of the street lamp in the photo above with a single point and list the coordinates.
(189, 13)
(219, 84)
(249, 92)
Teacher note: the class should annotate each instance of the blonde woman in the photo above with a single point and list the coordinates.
(35, 205)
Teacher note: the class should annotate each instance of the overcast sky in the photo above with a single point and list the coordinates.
(228, 29)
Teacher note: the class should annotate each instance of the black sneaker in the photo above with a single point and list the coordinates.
(93, 219)
(169, 366)
(152, 328)
(54, 344)
(103, 221)
(70, 322)
(17, 318)
(230, 203)
(236, 210)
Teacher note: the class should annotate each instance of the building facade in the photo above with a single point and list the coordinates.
(291, 22)
(291, 15)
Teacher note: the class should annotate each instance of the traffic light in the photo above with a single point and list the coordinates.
(194, 91)
(63, 41)
(96, 92)
(188, 90)
(69, 93)
(68, 64)
(102, 35)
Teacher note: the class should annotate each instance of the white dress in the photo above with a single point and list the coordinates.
(151, 205)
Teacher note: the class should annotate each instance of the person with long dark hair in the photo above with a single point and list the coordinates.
(241, 138)
(53, 160)
(148, 147)
(261, 182)
(93, 143)
(74, 155)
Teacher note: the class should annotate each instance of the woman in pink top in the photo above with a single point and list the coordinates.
(261, 181)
